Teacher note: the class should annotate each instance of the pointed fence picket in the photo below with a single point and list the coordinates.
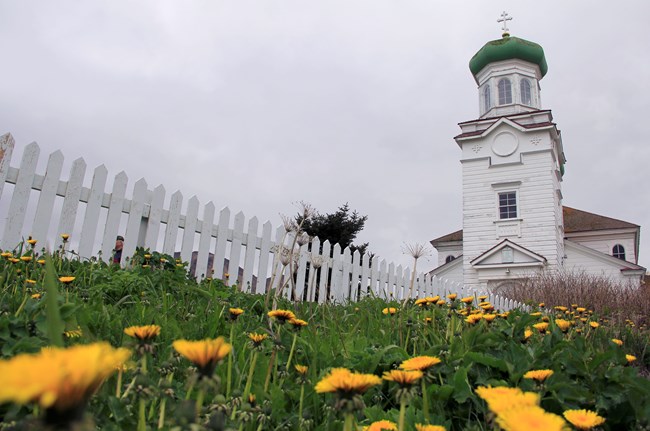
(322, 271)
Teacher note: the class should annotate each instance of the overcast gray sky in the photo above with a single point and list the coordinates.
(254, 104)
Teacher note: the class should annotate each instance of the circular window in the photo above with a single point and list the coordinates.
(504, 144)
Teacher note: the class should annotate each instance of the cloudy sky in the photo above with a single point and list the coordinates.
(255, 104)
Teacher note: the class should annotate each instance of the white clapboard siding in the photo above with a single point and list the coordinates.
(343, 276)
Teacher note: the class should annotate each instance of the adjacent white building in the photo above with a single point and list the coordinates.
(514, 223)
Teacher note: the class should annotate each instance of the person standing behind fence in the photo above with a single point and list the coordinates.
(117, 252)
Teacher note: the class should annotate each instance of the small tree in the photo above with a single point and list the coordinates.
(340, 227)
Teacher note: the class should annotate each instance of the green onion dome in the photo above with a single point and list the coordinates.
(508, 48)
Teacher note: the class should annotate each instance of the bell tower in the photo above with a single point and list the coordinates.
(513, 161)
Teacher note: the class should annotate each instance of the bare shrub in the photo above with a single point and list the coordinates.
(607, 298)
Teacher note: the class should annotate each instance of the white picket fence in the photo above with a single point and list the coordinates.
(251, 255)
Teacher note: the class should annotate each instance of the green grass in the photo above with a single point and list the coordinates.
(590, 371)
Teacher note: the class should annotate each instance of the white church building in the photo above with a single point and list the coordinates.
(514, 223)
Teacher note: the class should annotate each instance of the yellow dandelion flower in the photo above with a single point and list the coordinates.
(6, 254)
(301, 369)
(617, 341)
(482, 297)
(421, 302)
(66, 280)
(630, 358)
(345, 382)
(467, 300)
(36, 296)
(235, 313)
(29, 281)
(389, 310)
(441, 302)
(583, 419)
(564, 325)
(527, 334)
(428, 320)
(420, 427)
(204, 354)
(420, 363)
(433, 299)
(581, 309)
(541, 304)
(574, 305)
(489, 317)
(594, 324)
(256, 338)
(281, 315)
(452, 296)
(147, 256)
(66, 378)
(531, 418)
(536, 314)
(32, 242)
(403, 377)
(474, 318)
(14, 260)
(501, 398)
(143, 333)
(539, 375)
(41, 261)
(560, 308)
(541, 327)
(26, 258)
(65, 237)
(382, 425)
(298, 323)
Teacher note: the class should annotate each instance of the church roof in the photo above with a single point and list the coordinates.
(450, 237)
(511, 118)
(508, 48)
(580, 221)
(574, 221)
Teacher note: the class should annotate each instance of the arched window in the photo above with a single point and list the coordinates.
(618, 251)
(449, 258)
(487, 102)
(505, 91)
(525, 92)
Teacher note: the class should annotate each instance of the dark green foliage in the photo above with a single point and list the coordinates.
(340, 227)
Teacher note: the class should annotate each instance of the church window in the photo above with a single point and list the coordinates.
(618, 251)
(487, 103)
(449, 258)
(525, 92)
(505, 91)
(507, 205)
